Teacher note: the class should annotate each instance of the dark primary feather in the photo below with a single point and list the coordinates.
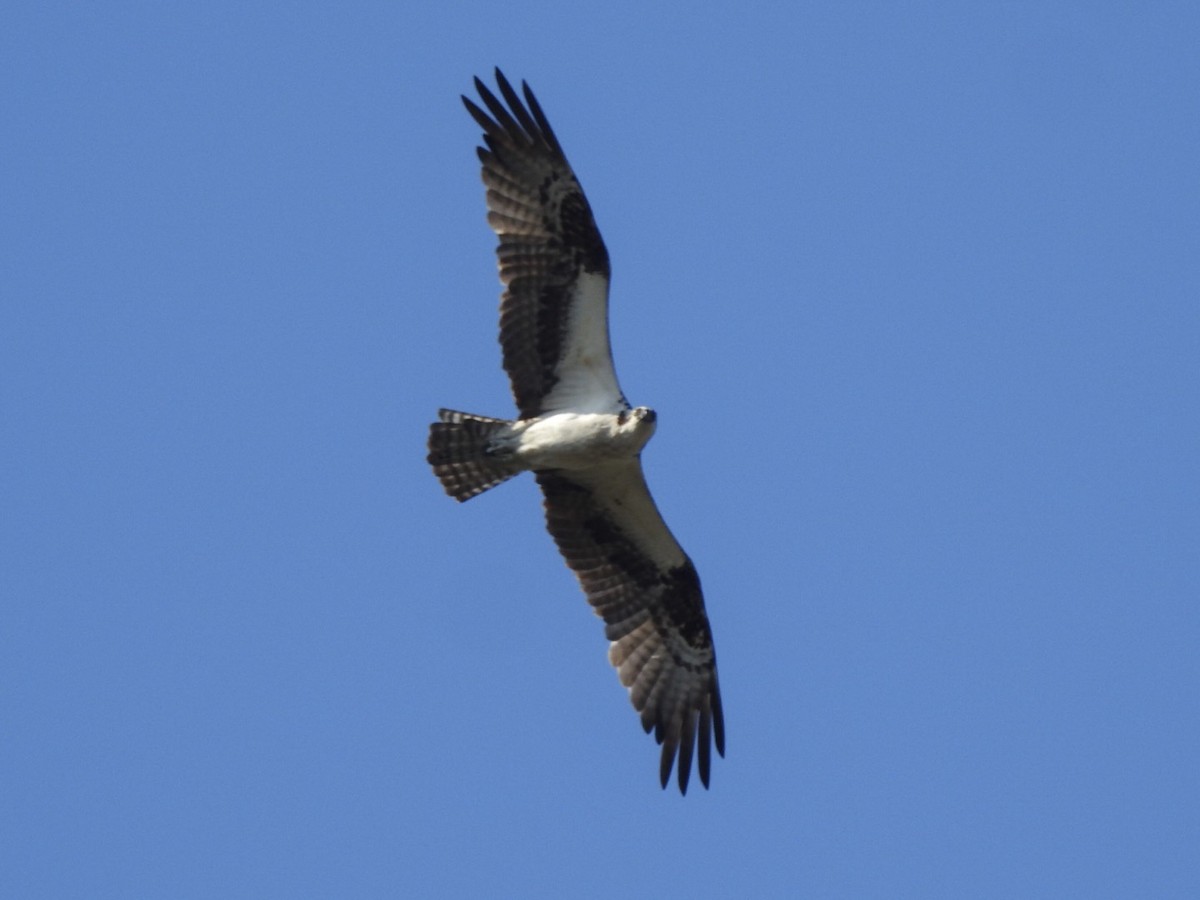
(643, 585)
(547, 234)
(554, 334)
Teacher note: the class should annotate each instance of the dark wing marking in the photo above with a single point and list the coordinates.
(639, 580)
(553, 263)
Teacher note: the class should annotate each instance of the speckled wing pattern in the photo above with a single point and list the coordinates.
(553, 262)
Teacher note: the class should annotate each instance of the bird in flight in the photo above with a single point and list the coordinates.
(579, 435)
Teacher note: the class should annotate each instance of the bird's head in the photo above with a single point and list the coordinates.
(638, 422)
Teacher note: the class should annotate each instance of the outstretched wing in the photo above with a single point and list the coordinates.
(553, 263)
(639, 580)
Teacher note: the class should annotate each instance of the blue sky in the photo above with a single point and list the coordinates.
(914, 292)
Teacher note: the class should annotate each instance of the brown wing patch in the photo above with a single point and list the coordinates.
(661, 641)
(547, 234)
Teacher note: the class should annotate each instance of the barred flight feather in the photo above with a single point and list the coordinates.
(579, 435)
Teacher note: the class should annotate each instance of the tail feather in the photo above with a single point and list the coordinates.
(458, 452)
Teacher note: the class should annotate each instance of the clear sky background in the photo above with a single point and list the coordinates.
(916, 293)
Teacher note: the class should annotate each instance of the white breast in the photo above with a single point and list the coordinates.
(579, 440)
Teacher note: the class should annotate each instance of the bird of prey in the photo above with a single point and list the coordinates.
(579, 436)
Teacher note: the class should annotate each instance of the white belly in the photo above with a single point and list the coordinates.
(578, 440)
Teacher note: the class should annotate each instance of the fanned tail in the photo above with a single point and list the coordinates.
(459, 453)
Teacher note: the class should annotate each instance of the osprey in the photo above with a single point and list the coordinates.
(579, 436)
